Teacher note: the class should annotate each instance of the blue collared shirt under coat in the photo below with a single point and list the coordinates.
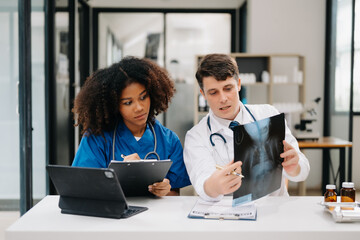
(95, 151)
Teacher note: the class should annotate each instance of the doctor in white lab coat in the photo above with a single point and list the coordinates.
(219, 82)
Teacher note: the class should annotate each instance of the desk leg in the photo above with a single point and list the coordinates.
(302, 188)
(326, 169)
(342, 166)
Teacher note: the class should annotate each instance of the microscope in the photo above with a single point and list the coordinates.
(303, 130)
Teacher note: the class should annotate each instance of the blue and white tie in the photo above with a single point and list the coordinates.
(233, 124)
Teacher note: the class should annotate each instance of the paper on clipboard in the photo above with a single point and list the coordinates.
(223, 210)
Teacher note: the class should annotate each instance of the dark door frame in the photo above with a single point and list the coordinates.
(72, 69)
(50, 83)
(25, 106)
(85, 62)
(50, 90)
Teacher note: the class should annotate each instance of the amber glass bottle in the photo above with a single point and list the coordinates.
(330, 194)
(347, 193)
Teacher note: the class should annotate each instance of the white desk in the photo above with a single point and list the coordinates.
(278, 218)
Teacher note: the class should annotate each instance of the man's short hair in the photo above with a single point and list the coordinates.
(219, 66)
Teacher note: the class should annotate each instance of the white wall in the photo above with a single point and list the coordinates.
(294, 26)
(356, 153)
(103, 28)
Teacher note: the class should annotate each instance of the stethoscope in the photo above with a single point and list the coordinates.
(212, 135)
(149, 153)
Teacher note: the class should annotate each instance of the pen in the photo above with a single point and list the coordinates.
(233, 172)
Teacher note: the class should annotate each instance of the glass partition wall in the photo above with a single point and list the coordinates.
(344, 79)
(9, 119)
(130, 34)
(9, 101)
(38, 102)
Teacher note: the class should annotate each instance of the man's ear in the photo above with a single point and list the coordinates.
(202, 93)
(239, 85)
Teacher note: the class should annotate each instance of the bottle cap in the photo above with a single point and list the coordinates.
(348, 185)
(330, 186)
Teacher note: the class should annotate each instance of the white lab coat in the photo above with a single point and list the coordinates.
(201, 157)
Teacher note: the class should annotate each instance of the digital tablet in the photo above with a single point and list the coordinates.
(136, 176)
(90, 192)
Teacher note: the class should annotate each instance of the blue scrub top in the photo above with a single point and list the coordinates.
(95, 151)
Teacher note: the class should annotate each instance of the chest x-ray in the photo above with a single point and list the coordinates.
(259, 145)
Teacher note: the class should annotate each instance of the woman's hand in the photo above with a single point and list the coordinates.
(131, 157)
(160, 188)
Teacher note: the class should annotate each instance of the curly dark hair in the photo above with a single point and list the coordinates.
(97, 104)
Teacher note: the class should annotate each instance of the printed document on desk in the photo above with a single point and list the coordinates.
(223, 210)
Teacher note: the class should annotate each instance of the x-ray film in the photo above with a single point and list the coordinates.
(259, 145)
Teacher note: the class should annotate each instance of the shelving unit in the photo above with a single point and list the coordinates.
(290, 67)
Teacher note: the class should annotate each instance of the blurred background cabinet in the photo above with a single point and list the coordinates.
(277, 79)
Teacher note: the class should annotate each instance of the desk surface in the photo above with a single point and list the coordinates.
(278, 218)
(325, 142)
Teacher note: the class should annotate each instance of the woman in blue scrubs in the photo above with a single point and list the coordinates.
(119, 104)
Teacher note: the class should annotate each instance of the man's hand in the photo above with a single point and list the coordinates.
(222, 181)
(291, 160)
(160, 188)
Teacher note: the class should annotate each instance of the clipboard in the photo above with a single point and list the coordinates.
(136, 176)
(223, 210)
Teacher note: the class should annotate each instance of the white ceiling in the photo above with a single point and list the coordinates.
(204, 4)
